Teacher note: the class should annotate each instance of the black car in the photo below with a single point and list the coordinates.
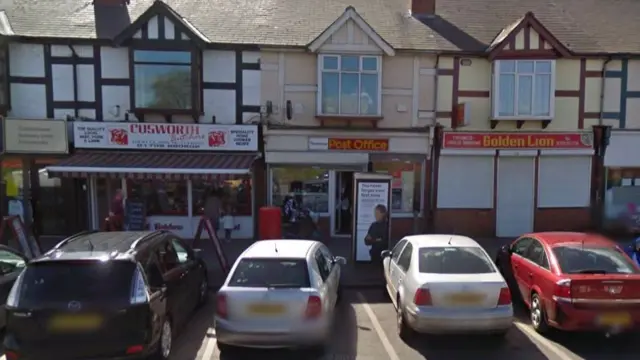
(12, 262)
(104, 295)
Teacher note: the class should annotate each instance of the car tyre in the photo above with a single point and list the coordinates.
(538, 315)
(165, 343)
(203, 291)
(224, 348)
(405, 332)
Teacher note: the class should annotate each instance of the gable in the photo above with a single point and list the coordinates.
(527, 35)
(350, 33)
(160, 22)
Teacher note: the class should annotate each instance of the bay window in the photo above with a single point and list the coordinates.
(349, 85)
(524, 89)
(163, 80)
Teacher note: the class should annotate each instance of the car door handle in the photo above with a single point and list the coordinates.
(530, 275)
(515, 266)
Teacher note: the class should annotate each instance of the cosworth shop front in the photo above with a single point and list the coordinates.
(169, 169)
(506, 184)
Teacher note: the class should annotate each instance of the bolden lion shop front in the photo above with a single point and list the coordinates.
(506, 184)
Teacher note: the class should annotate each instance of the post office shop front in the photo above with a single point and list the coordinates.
(318, 169)
(170, 168)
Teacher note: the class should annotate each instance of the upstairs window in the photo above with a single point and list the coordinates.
(163, 80)
(524, 89)
(349, 85)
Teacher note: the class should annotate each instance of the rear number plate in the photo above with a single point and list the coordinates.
(465, 298)
(75, 322)
(266, 309)
(614, 319)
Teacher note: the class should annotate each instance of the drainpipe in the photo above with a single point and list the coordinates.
(603, 85)
(435, 153)
(74, 55)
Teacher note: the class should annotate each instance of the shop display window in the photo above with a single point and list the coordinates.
(52, 200)
(13, 187)
(622, 199)
(311, 184)
(405, 185)
(234, 193)
(167, 198)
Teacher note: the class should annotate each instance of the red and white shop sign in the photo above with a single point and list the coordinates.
(469, 140)
(192, 137)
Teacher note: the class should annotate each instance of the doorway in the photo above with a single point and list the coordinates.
(514, 200)
(343, 211)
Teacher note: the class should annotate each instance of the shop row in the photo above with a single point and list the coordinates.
(478, 183)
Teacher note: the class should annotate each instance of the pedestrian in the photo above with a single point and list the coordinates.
(378, 234)
(116, 212)
(212, 207)
(228, 223)
(633, 250)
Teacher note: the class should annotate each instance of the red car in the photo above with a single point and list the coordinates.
(573, 281)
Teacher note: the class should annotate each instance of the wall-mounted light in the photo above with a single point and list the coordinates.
(465, 62)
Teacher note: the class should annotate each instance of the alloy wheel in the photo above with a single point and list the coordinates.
(536, 312)
(165, 340)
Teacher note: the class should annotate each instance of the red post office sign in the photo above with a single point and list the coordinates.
(478, 140)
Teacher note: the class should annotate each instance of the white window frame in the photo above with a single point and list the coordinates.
(321, 70)
(496, 92)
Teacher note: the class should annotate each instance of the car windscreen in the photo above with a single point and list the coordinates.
(454, 260)
(578, 259)
(83, 281)
(282, 273)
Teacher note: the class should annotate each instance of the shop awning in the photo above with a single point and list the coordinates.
(166, 166)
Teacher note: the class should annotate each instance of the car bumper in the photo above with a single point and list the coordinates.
(569, 317)
(229, 333)
(453, 321)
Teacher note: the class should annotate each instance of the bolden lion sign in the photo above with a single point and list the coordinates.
(348, 144)
(469, 140)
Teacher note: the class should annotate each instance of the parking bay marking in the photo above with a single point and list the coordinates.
(393, 355)
(542, 341)
(210, 345)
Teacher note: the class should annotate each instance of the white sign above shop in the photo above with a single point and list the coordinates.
(145, 136)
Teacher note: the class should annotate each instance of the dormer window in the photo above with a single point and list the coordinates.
(524, 89)
(349, 85)
(163, 80)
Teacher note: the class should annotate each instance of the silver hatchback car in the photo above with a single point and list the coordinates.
(279, 293)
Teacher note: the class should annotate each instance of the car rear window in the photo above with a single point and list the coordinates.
(83, 281)
(454, 260)
(578, 259)
(283, 273)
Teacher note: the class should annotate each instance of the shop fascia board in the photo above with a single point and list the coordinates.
(92, 170)
(346, 133)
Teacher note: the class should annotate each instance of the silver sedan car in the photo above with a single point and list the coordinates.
(446, 284)
(279, 293)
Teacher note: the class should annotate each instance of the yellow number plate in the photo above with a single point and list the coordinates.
(466, 299)
(266, 309)
(615, 319)
(75, 322)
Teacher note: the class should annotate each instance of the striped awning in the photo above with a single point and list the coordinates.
(153, 166)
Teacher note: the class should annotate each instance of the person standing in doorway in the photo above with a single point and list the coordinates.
(212, 208)
(116, 213)
(228, 223)
(345, 210)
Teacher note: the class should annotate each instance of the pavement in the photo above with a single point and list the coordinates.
(365, 329)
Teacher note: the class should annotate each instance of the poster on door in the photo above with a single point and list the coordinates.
(371, 223)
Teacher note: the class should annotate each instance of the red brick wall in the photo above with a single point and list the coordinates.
(562, 219)
(472, 222)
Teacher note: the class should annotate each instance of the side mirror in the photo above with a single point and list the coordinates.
(198, 253)
(385, 253)
(339, 260)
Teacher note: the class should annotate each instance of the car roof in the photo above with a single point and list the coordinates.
(98, 245)
(290, 249)
(558, 238)
(440, 240)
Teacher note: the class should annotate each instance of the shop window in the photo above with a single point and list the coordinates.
(564, 181)
(163, 80)
(161, 197)
(310, 185)
(235, 195)
(465, 182)
(13, 187)
(406, 184)
(622, 199)
(52, 199)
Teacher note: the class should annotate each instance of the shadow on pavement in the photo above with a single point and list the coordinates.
(342, 343)
(596, 346)
(195, 332)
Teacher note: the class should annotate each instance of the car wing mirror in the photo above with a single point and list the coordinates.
(339, 260)
(385, 253)
(198, 253)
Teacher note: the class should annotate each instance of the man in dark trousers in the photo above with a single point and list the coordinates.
(378, 234)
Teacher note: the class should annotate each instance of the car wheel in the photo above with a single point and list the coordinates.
(224, 348)
(203, 291)
(405, 332)
(165, 343)
(538, 315)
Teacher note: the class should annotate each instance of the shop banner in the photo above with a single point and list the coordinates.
(348, 144)
(372, 215)
(142, 136)
(469, 140)
(35, 136)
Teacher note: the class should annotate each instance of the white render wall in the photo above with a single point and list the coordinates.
(30, 79)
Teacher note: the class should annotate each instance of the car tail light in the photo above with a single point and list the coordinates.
(314, 307)
(11, 355)
(135, 349)
(221, 306)
(505, 296)
(422, 297)
(139, 293)
(562, 290)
